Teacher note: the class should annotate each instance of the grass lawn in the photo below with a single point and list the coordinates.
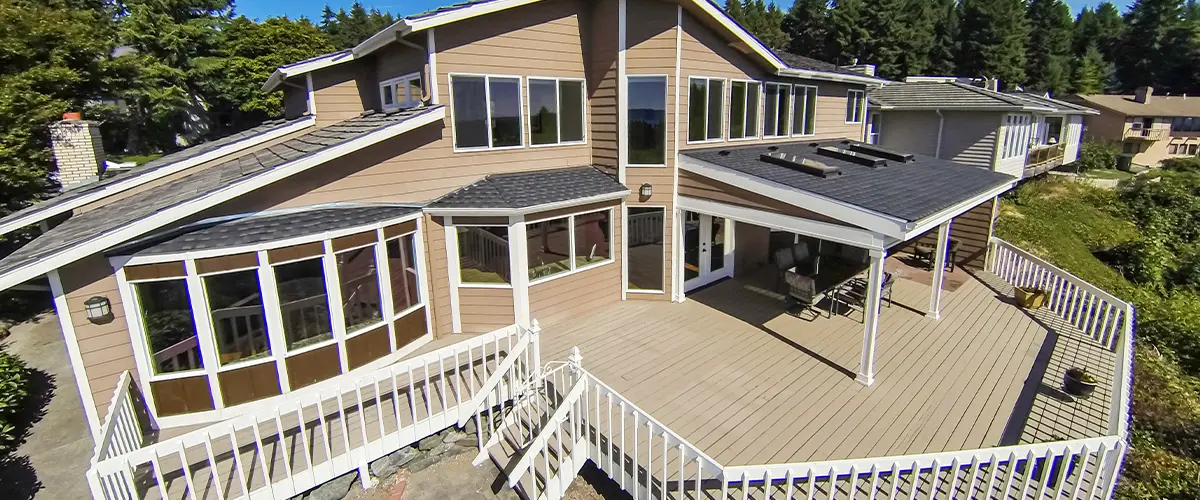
(1108, 174)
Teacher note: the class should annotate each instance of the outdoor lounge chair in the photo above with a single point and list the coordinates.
(803, 290)
(925, 252)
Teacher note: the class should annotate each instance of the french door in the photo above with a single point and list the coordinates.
(707, 249)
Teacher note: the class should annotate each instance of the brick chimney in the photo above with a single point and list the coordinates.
(78, 151)
(1143, 94)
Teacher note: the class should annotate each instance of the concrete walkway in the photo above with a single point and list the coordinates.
(51, 462)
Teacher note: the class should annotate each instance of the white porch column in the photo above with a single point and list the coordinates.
(939, 271)
(866, 368)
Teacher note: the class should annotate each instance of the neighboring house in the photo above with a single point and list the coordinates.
(1148, 128)
(267, 312)
(1020, 134)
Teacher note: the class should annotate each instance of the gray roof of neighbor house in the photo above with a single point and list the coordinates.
(50, 207)
(264, 227)
(906, 190)
(948, 96)
(523, 190)
(245, 168)
(1059, 106)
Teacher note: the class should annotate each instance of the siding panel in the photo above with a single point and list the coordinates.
(569, 296)
(485, 309)
(106, 348)
(970, 137)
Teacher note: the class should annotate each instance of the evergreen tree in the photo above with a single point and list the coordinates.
(1110, 27)
(771, 30)
(901, 37)
(1090, 72)
(1149, 26)
(805, 24)
(349, 29)
(1181, 74)
(847, 36)
(944, 48)
(992, 36)
(1048, 53)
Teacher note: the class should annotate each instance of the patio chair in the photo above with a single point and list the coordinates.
(803, 290)
(855, 292)
(926, 252)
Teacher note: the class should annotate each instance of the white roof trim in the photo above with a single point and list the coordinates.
(932, 221)
(407, 26)
(831, 232)
(741, 33)
(828, 76)
(131, 182)
(506, 212)
(166, 216)
(300, 68)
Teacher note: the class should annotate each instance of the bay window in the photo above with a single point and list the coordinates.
(646, 120)
(743, 110)
(483, 255)
(570, 243)
(486, 111)
(777, 110)
(804, 110)
(556, 111)
(706, 113)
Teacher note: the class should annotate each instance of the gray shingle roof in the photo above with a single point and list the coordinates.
(446, 8)
(1057, 105)
(797, 61)
(149, 167)
(530, 189)
(266, 227)
(95, 223)
(943, 95)
(909, 191)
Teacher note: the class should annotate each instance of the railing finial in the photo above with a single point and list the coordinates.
(535, 327)
(575, 359)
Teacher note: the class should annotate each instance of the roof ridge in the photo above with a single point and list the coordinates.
(999, 96)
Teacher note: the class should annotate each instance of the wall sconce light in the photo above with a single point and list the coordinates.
(99, 309)
(647, 190)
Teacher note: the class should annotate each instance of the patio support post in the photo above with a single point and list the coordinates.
(866, 368)
(939, 272)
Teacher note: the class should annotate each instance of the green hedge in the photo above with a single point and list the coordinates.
(14, 384)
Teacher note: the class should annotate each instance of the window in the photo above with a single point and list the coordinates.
(777, 110)
(483, 255)
(303, 303)
(549, 247)
(1173, 149)
(555, 111)
(168, 325)
(1192, 149)
(358, 279)
(402, 266)
(743, 110)
(706, 113)
(402, 92)
(856, 103)
(486, 111)
(236, 305)
(1052, 130)
(1017, 131)
(1129, 148)
(644, 238)
(804, 111)
(646, 120)
(593, 238)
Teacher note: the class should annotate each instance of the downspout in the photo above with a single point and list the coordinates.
(937, 150)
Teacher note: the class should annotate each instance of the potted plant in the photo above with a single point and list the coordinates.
(1030, 298)
(1078, 382)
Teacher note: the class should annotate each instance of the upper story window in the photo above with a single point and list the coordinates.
(706, 109)
(804, 110)
(486, 111)
(401, 92)
(856, 104)
(743, 110)
(1185, 124)
(646, 129)
(776, 112)
(1017, 134)
(556, 113)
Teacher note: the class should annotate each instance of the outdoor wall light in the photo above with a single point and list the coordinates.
(647, 190)
(99, 309)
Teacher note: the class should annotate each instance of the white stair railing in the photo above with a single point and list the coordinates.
(120, 432)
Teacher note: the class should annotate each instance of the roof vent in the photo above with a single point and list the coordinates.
(874, 150)
(851, 156)
(806, 165)
(723, 152)
(772, 148)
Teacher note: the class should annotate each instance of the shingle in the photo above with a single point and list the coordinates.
(1060, 106)
(95, 223)
(797, 61)
(909, 191)
(529, 189)
(943, 95)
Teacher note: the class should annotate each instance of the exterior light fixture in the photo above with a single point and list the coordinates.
(647, 190)
(99, 309)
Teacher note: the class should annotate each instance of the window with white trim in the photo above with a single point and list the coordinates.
(856, 104)
(167, 322)
(706, 109)
(743, 109)
(303, 302)
(555, 111)
(486, 111)
(1018, 132)
(401, 92)
(483, 255)
(402, 266)
(567, 244)
(777, 110)
(358, 279)
(235, 303)
(804, 110)
(646, 120)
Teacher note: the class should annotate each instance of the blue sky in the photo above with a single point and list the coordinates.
(261, 9)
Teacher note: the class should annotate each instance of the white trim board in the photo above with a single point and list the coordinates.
(508, 212)
(68, 330)
(284, 72)
(831, 232)
(229, 192)
(158, 173)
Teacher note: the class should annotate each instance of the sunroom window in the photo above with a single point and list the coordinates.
(236, 306)
(303, 303)
(743, 110)
(804, 110)
(555, 111)
(401, 92)
(778, 99)
(358, 278)
(402, 265)
(706, 109)
(483, 255)
(487, 111)
(169, 327)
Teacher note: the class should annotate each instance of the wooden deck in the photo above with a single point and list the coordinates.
(748, 382)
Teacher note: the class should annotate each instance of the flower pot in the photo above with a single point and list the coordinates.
(1030, 298)
(1078, 383)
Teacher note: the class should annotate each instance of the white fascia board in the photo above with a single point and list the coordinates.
(830, 232)
(405, 27)
(119, 186)
(168, 215)
(832, 77)
(284, 72)
(924, 225)
(851, 214)
(744, 36)
(508, 212)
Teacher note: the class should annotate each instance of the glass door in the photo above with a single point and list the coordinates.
(707, 249)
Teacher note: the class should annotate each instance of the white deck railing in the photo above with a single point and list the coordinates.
(312, 436)
(121, 431)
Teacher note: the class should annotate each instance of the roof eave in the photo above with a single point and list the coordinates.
(508, 211)
(833, 77)
(284, 72)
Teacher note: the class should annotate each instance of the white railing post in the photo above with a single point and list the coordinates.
(535, 340)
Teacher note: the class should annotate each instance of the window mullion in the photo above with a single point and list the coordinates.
(274, 318)
(205, 333)
(487, 109)
(571, 244)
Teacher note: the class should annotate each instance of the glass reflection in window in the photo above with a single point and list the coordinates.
(168, 325)
(402, 265)
(303, 303)
(236, 306)
(358, 278)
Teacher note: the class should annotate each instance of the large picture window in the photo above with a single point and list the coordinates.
(743, 110)
(303, 303)
(402, 265)
(777, 110)
(570, 243)
(169, 326)
(644, 239)
(804, 110)
(483, 255)
(856, 105)
(358, 279)
(647, 120)
(486, 111)
(555, 111)
(236, 306)
(706, 109)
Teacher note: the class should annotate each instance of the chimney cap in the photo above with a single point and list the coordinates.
(72, 116)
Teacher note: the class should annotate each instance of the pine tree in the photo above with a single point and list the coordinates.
(1149, 25)
(771, 30)
(901, 36)
(736, 11)
(944, 48)
(1048, 52)
(1089, 75)
(1110, 27)
(847, 36)
(992, 35)
(805, 23)
(1182, 72)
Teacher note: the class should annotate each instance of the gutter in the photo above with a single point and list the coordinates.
(834, 77)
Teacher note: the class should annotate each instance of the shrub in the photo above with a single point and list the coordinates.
(1094, 155)
(1189, 164)
(14, 383)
